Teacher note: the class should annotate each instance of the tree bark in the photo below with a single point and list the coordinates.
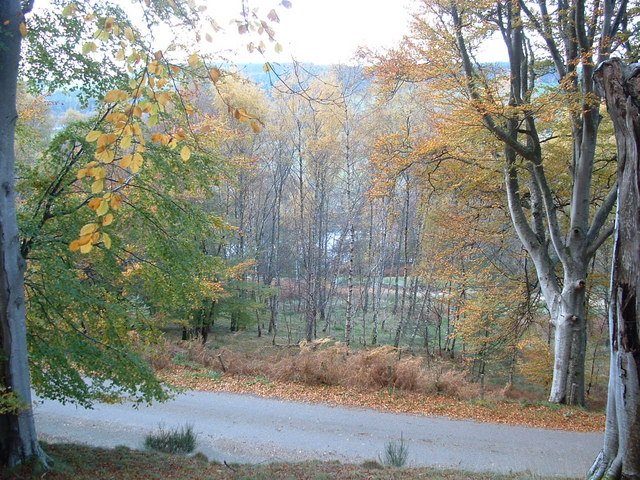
(620, 456)
(18, 441)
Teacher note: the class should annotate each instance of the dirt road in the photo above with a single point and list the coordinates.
(250, 429)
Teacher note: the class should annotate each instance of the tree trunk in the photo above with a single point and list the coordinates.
(620, 456)
(18, 441)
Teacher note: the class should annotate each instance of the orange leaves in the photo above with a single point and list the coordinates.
(508, 412)
(113, 96)
(214, 74)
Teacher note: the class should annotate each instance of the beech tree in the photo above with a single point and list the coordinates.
(140, 96)
(567, 39)
(18, 441)
(620, 456)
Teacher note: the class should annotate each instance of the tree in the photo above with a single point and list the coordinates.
(512, 107)
(146, 85)
(18, 441)
(620, 456)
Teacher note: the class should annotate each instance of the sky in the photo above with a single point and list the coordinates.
(314, 31)
(330, 31)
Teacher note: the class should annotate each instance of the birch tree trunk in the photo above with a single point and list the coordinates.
(620, 456)
(18, 442)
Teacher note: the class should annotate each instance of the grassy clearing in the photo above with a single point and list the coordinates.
(76, 462)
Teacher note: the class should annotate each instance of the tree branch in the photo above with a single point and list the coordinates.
(597, 243)
(544, 30)
(552, 218)
(602, 214)
(487, 119)
(520, 222)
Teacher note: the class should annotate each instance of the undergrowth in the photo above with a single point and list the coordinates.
(324, 363)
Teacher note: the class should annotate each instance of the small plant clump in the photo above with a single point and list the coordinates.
(396, 453)
(179, 440)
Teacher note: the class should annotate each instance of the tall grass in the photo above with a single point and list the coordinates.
(179, 440)
(396, 453)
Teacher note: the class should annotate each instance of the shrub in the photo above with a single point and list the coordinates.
(179, 440)
(396, 453)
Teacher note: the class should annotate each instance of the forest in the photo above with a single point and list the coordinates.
(419, 208)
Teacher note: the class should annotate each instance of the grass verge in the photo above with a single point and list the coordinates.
(78, 462)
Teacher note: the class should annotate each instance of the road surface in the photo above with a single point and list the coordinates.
(250, 429)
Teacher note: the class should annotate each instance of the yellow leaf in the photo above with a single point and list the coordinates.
(88, 47)
(113, 96)
(106, 239)
(163, 98)
(82, 173)
(86, 248)
(23, 29)
(84, 239)
(108, 156)
(255, 126)
(125, 142)
(126, 161)
(93, 135)
(116, 202)
(214, 74)
(99, 172)
(106, 139)
(103, 209)
(97, 186)
(137, 162)
(108, 219)
(266, 67)
(95, 203)
(185, 153)
(153, 120)
(116, 117)
(88, 229)
(128, 33)
(75, 245)
(193, 59)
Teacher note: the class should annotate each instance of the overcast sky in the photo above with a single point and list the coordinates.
(318, 31)
(330, 31)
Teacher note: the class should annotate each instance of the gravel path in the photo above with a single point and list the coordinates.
(251, 429)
